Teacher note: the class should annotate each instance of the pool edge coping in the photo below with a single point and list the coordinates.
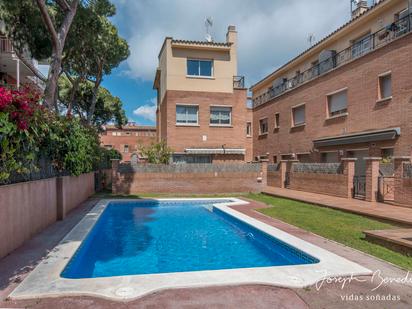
(45, 280)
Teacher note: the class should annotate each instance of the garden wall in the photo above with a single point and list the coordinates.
(27, 208)
(403, 191)
(187, 178)
(274, 175)
(329, 184)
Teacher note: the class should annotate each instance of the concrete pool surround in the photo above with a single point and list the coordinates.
(46, 281)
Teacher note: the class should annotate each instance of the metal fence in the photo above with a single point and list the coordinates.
(44, 170)
(407, 170)
(356, 50)
(189, 168)
(273, 167)
(386, 169)
(319, 168)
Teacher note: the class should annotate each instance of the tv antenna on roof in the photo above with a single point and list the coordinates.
(311, 39)
(208, 25)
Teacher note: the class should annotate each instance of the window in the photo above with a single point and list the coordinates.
(385, 86)
(337, 103)
(248, 129)
(199, 67)
(263, 126)
(275, 159)
(187, 114)
(220, 115)
(277, 119)
(298, 115)
(126, 149)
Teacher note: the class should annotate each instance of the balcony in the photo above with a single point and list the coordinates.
(6, 47)
(368, 44)
(238, 82)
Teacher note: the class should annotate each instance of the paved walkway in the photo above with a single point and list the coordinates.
(377, 210)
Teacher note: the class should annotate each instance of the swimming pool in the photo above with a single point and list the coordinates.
(134, 238)
(124, 249)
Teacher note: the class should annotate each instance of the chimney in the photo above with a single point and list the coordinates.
(231, 35)
(361, 6)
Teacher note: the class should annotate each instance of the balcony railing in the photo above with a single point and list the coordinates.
(356, 50)
(238, 82)
(5, 45)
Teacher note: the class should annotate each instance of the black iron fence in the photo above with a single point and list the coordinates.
(44, 169)
(407, 170)
(273, 167)
(238, 82)
(356, 50)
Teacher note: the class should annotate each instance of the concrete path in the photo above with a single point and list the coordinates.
(19, 263)
(398, 214)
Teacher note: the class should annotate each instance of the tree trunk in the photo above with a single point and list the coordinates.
(58, 39)
(94, 100)
(50, 93)
(75, 85)
(97, 83)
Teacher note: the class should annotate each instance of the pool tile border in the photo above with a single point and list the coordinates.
(45, 280)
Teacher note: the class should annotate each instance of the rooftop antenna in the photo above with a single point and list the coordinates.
(311, 39)
(208, 25)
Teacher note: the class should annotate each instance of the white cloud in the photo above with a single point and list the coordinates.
(271, 32)
(147, 111)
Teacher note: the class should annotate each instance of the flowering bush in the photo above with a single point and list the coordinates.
(22, 127)
(29, 132)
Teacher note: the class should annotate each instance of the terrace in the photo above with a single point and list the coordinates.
(330, 60)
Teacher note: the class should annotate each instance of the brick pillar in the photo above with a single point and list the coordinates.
(264, 171)
(372, 174)
(115, 169)
(398, 171)
(282, 170)
(349, 172)
(289, 167)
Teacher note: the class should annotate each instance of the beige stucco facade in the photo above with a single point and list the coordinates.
(220, 88)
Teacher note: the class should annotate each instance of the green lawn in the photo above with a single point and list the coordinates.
(342, 227)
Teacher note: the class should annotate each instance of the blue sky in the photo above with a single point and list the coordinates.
(270, 33)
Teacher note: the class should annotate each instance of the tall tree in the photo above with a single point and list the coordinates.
(40, 27)
(108, 108)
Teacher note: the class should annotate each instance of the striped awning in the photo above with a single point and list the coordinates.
(202, 151)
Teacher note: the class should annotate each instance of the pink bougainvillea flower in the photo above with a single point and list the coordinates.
(5, 97)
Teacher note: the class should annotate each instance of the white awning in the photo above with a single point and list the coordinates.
(199, 151)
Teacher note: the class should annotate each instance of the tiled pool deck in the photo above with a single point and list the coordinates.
(15, 267)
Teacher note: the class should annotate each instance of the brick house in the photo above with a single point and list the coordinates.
(128, 139)
(349, 95)
(201, 102)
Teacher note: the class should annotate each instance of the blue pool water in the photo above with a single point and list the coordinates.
(132, 238)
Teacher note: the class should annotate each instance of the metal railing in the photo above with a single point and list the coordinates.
(356, 50)
(6, 45)
(407, 171)
(238, 82)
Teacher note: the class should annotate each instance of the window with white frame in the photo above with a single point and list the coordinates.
(220, 115)
(277, 120)
(187, 114)
(337, 103)
(385, 86)
(263, 126)
(126, 148)
(298, 115)
(248, 129)
(197, 67)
